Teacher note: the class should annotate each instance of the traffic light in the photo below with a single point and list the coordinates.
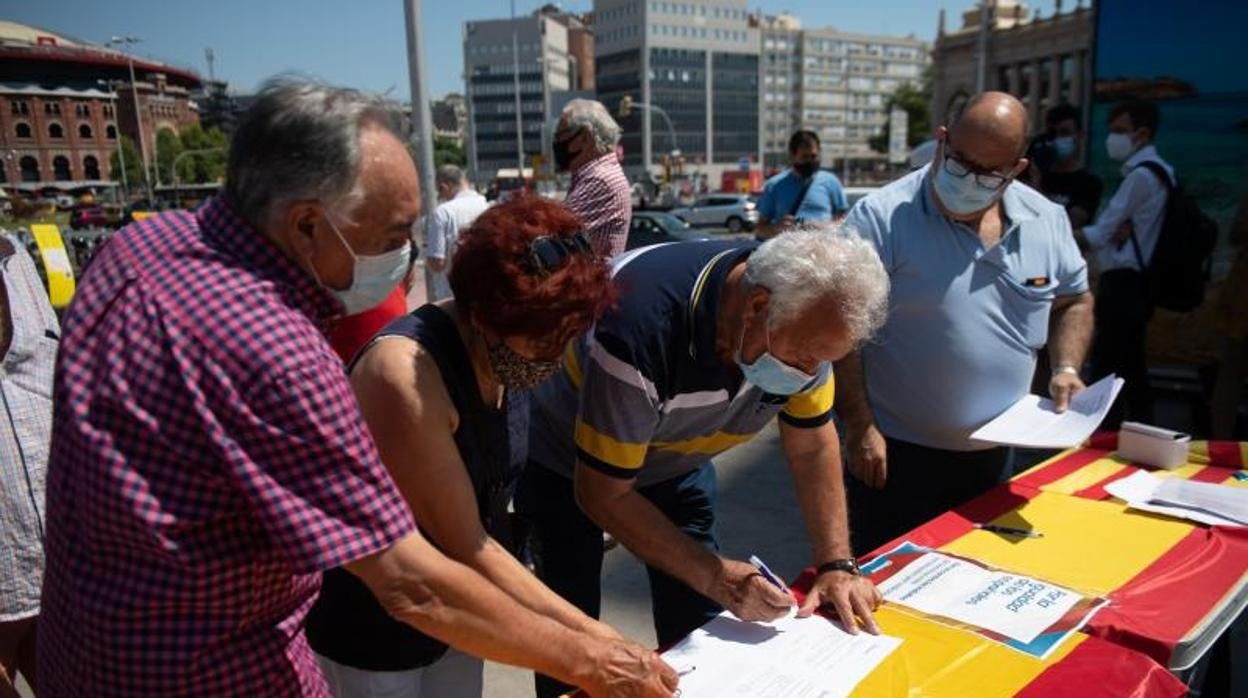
(626, 106)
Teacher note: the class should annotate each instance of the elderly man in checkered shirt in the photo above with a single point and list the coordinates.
(584, 144)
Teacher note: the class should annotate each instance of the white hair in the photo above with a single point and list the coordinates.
(818, 263)
(590, 114)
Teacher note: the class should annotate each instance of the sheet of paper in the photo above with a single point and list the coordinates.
(790, 658)
(1220, 500)
(1015, 606)
(1140, 491)
(1033, 423)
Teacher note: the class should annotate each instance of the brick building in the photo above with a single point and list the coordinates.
(64, 103)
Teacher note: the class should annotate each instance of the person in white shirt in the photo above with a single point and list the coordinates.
(461, 204)
(1136, 209)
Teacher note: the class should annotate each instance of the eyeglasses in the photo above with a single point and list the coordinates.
(988, 179)
(548, 254)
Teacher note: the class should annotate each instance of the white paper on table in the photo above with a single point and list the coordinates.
(1013, 605)
(1031, 422)
(789, 658)
(1183, 499)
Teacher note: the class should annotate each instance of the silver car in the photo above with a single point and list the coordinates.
(736, 212)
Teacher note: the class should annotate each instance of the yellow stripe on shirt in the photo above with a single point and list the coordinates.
(711, 444)
(620, 454)
(814, 402)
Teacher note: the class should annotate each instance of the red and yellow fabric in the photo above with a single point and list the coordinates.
(939, 660)
(1164, 577)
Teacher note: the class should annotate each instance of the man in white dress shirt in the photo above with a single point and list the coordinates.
(1137, 208)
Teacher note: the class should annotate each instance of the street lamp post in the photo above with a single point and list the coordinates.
(121, 151)
(138, 115)
(515, 73)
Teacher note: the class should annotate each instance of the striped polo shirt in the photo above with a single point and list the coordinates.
(643, 395)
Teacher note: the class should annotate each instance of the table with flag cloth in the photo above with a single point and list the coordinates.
(1174, 586)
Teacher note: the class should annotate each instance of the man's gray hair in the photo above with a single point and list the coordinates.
(300, 139)
(814, 264)
(450, 175)
(590, 114)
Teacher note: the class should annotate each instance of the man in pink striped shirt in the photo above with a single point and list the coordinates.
(584, 145)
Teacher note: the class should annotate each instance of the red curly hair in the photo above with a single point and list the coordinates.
(495, 284)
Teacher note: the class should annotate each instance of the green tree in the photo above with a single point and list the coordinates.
(168, 147)
(207, 165)
(916, 100)
(447, 152)
(134, 164)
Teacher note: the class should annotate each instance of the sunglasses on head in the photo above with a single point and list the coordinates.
(548, 254)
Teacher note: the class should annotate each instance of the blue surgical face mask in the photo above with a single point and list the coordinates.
(772, 375)
(1064, 147)
(962, 195)
(373, 276)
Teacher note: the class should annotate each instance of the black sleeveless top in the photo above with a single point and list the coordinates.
(347, 624)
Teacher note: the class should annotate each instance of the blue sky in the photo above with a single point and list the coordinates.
(361, 43)
(1192, 47)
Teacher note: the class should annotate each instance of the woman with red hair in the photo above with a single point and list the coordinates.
(444, 393)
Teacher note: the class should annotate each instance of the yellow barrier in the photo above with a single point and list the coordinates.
(55, 263)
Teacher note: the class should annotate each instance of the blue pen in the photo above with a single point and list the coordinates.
(770, 576)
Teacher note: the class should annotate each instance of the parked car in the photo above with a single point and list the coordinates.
(736, 212)
(88, 216)
(655, 227)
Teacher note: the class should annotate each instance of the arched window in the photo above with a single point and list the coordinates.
(60, 168)
(23, 130)
(55, 131)
(90, 167)
(110, 132)
(30, 169)
(84, 131)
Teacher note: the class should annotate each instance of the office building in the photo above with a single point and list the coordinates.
(834, 83)
(1042, 61)
(691, 69)
(540, 59)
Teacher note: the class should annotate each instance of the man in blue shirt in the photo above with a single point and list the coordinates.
(801, 193)
(981, 267)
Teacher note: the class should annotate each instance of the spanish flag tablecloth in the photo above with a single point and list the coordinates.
(1173, 585)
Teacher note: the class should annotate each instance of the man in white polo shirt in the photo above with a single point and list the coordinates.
(461, 204)
(983, 269)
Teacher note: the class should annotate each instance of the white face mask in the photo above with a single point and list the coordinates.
(373, 276)
(1064, 147)
(1119, 146)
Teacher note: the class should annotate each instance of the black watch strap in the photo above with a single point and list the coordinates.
(847, 564)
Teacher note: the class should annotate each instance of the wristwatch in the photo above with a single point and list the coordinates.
(847, 564)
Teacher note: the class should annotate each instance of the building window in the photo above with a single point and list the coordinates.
(60, 168)
(90, 167)
(84, 131)
(19, 108)
(56, 131)
(22, 130)
(83, 110)
(110, 132)
(51, 108)
(30, 169)
(108, 110)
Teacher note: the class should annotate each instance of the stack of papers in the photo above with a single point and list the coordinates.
(790, 658)
(1033, 423)
(1203, 502)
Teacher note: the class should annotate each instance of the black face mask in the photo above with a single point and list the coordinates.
(806, 169)
(563, 153)
(515, 371)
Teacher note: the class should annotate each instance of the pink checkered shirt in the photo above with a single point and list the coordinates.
(208, 461)
(600, 197)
